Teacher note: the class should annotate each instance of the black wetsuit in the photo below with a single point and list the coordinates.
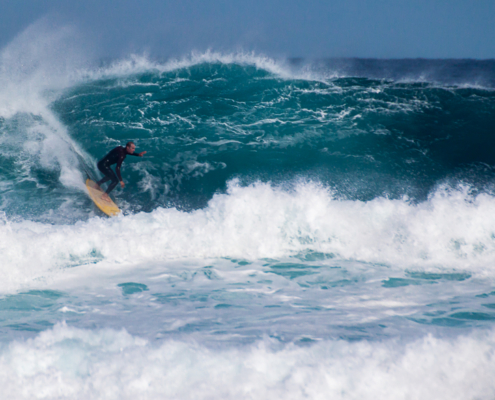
(116, 156)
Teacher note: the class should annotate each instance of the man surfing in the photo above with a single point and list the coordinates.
(116, 156)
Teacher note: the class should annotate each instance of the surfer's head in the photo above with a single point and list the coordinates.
(130, 147)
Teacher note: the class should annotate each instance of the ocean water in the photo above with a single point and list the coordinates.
(298, 229)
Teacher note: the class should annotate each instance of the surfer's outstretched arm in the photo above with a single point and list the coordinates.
(138, 154)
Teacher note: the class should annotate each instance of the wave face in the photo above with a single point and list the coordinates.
(208, 122)
(334, 217)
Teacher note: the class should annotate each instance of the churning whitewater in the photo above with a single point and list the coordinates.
(297, 228)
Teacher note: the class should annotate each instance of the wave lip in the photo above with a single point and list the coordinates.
(136, 64)
(463, 73)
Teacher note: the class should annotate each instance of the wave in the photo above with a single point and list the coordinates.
(205, 122)
(211, 117)
(80, 364)
(451, 231)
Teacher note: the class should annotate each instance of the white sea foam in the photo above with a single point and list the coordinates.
(34, 68)
(37, 64)
(65, 362)
(452, 230)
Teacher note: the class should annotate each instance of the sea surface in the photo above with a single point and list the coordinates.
(298, 229)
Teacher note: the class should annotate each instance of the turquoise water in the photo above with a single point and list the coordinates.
(302, 228)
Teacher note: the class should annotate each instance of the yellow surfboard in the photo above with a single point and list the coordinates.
(107, 206)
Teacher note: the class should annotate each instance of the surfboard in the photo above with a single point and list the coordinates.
(107, 206)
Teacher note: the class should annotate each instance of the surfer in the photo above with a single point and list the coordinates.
(116, 156)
